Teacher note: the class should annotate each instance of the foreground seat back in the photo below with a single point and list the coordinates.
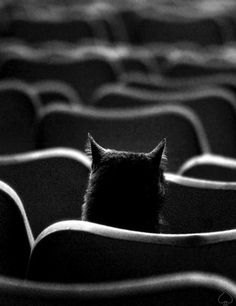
(16, 238)
(75, 251)
(51, 184)
(193, 288)
(210, 167)
(194, 206)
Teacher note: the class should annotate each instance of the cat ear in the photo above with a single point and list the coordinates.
(94, 150)
(158, 154)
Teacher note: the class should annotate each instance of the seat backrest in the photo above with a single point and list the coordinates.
(55, 91)
(16, 238)
(156, 82)
(133, 130)
(210, 167)
(185, 68)
(51, 184)
(195, 288)
(215, 108)
(84, 74)
(194, 205)
(58, 28)
(75, 251)
(204, 31)
(19, 107)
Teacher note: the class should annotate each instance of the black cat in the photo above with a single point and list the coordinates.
(125, 189)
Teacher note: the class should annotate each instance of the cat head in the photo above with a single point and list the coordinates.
(101, 156)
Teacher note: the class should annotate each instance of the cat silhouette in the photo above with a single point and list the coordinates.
(125, 189)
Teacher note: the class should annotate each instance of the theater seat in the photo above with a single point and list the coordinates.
(54, 91)
(56, 28)
(79, 251)
(84, 73)
(19, 106)
(133, 130)
(51, 184)
(170, 29)
(215, 107)
(16, 238)
(210, 167)
(194, 205)
(195, 288)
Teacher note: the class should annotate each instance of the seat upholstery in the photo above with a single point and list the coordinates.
(16, 238)
(133, 130)
(210, 167)
(51, 184)
(193, 288)
(84, 74)
(75, 251)
(215, 107)
(194, 205)
(19, 107)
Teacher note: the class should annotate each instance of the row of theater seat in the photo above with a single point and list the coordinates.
(124, 72)
(57, 178)
(134, 22)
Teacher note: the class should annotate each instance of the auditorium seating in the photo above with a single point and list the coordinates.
(193, 288)
(210, 167)
(19, 106)
(75, 252)
(195, 205)
(16, 238)
(157, 28)
(55, 92)
(130, 73)
(40, 29)
(155, 82)
(201, 101)
(50, 183)
(133, 130)
(84, 74)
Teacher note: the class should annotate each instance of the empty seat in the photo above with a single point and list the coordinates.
(75, 251)
(84, 74)
(186, 68)
(38, 30)
(55, 91)
(19, 107)
(210, 167)
(51, 184)
(157, 82)
(16, 238)
(203, 31)
(133, 130)
(215, 107)
(194, 205)
(193, 288)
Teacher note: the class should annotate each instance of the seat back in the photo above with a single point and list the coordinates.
(84, 74)
(54, 91)
(38, 30)
(134, 130)
(155, 82)
(19, 107)
(203, 31)
(194, 206)
(215, 108)
(75, 251)
(51, 184)
(193, 288)
(16, 238)
(210, 167)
